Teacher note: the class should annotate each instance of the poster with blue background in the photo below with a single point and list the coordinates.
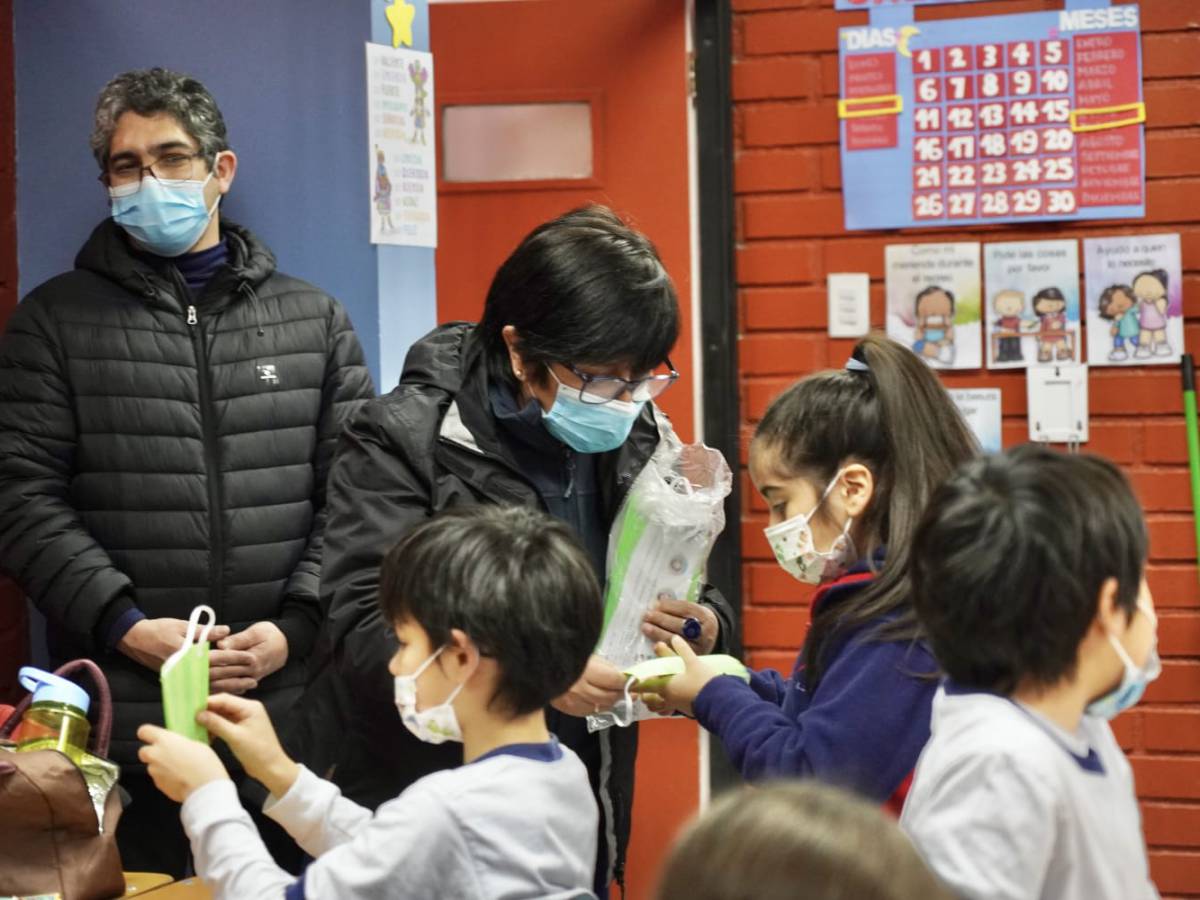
(1018, 118)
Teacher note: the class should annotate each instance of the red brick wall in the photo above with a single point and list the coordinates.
(790, 235)
(13, 626)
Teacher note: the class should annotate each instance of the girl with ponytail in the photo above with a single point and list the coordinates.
(846, 461)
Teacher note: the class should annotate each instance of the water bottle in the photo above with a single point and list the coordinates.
(57, 718)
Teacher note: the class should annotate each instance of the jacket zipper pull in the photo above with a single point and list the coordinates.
(191, 319)
(570, 476)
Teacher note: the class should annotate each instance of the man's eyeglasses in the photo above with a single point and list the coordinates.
(606, 388)
(173, 166)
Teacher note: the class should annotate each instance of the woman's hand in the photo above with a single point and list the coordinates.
(680, 692)
(666, 618)
(245, 726)
(601, 685)
(178, 764)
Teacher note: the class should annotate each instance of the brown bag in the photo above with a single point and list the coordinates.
(49, 839)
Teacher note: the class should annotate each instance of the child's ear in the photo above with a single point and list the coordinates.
(462, 655)
(1110, 617)
(856, 487)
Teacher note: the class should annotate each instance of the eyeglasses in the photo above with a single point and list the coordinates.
(173, 166)
(599, 389)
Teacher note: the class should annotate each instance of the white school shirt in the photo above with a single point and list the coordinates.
(520, 822)
(1006, 805)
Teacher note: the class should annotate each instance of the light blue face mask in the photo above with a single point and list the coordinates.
(1133, 682)
(589, 427)
(164, 217)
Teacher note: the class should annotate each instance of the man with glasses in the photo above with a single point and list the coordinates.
(547, 402)
(168, 412)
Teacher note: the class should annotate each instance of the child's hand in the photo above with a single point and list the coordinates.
(680, 692)
(177, 764)
(245, 726)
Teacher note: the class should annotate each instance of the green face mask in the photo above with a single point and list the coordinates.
(184, 678)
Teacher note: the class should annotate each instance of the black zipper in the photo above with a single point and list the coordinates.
(216, 538)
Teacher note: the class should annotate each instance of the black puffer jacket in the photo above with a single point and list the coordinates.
(148, 461)
(430, 445)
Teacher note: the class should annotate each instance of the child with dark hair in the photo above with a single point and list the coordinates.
(1050, 306)
(845, 461)
(1029, 576)
(1119, 306)
(495, 610)
(795, 839)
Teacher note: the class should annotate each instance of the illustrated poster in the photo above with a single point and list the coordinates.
(1032, 299)
(1134, 301)
(980, 408)
(403, 170)
(933, 302)
(869, 5)
(1017, 118)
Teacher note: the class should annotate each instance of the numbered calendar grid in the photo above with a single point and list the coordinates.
(992, 134)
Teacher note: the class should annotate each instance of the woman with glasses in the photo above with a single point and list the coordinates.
(547, 402)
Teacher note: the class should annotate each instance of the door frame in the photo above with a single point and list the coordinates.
(712, 26)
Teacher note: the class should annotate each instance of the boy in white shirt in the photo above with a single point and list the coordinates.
(496, 611)
(1028, 574)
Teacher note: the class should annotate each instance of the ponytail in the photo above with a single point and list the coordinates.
(888, 411)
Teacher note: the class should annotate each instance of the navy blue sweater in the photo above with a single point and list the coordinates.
(862, 728)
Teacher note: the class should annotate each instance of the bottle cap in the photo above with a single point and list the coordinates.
(48, 686)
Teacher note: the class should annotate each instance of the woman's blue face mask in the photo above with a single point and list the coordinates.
(589, 427)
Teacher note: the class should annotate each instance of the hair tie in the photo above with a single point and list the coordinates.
(856, 365)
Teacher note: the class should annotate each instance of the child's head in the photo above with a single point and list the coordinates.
(1116, 300)
(1009, 303)
(1024, 565)
(878, 435)
(795, 839)
(935, 306)
(1150, 286)
(509, 597)
(1049, 302)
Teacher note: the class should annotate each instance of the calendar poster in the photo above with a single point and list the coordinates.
(933, 295)
(1032, 303)
(1134, 300)
(1019, 118)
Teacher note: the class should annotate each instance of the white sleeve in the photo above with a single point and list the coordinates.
(230, 856)
(986, 829)
(413, 847)
(316, 815)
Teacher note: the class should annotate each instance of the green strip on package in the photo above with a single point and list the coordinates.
(184, 678)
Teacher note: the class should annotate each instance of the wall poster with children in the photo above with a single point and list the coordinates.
(933, 302)
(1134, 300)
(402, 179)
(1032, 301)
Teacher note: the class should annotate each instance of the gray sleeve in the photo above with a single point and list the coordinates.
(316, 815)
(986, 828)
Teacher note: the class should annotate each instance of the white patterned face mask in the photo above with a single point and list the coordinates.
(435, 725)
(792, 543)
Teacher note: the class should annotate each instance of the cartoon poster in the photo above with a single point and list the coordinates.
(402, 183)
(1032, 303)
(1134, 300)
(933, 302)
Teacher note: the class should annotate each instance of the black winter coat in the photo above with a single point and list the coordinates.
(149, 462)
(430, 445)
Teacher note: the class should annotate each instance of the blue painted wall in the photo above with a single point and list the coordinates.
(289, 76)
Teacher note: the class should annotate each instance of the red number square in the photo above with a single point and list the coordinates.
(962, 205)
(1054, 53)
(960, 117)
(928, 206)
(958, 58)
(959, 87)
(927, 177)
(928, 60)
(927, 89)
(989, 56)
(1022, 83)
(992, 115)
(1022, 53)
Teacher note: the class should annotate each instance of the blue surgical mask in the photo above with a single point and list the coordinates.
(1133, 681)
(590, 427)
(164, 217)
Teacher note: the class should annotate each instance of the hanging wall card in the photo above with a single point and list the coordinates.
(933, 302)
(980, 408)
(1032, 298)
(1018, 118)
(402, 182)
(1134, 300)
